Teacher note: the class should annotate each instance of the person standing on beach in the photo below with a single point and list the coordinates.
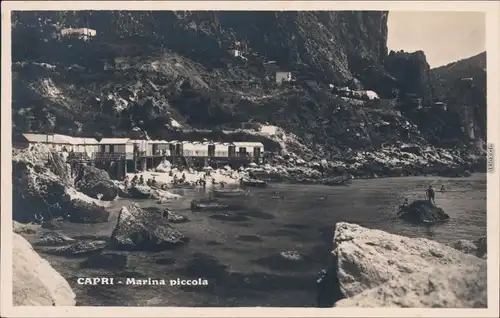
(431, 195)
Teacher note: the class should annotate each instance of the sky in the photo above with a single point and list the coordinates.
(444, 36)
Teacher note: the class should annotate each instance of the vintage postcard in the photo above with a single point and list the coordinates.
(250, 158)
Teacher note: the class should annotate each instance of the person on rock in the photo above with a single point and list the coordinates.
(442, 188)
(431, 195)
(141, 180)
(153, 182)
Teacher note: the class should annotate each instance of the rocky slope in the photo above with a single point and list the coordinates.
(371, 268)
(447, 87)
(35, 282)
(158, 71)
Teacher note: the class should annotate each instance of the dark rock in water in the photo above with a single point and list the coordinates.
(174, 218)
(93, 181)
(77, 249)
(138, 230)
(108, 260)
(54, 239)
(229, 217)
(422, 211)
(249, 238)
(482, 247)
(84, 212)
(208, 205)
(124, 193)
(140, 192)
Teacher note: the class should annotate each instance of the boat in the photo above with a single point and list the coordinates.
(208, 205)
(228, 193)
(254, 183)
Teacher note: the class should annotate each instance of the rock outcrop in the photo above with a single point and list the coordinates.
(422, 211)
(35, 282)
(137, 229)
(188, 77)
(94, 182)
(368, 265)
(477, 247)
(47, 191)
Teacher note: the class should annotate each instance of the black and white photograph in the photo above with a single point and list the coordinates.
(201, 158)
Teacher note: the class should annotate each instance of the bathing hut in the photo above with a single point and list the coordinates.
(195, 149)
(85, 146)
(116, 148)
(176, 148)
(249, 149)
(55, 141)
(221, 150)
(163, 147)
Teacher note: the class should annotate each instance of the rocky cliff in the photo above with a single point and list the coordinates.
(157, 71)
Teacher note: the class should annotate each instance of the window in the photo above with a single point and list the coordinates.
(232, 151)
(103, 148)
(111, 148)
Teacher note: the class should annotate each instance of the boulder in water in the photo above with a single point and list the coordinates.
(138, 230)
(140, 192)
(77, 249)
(93, 181)
(54, 239)
(363, 260)
(422, 211)
(175, 218)
(85, 212)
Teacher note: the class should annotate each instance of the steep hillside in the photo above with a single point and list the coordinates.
(451, 89)
(146, 69)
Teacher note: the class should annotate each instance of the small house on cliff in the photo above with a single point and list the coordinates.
(282, 77)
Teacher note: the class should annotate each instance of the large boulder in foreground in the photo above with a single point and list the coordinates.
(95, 182)
(364, 259)
(137, 229)
(35, 282)
(450, 287)
(422, 211)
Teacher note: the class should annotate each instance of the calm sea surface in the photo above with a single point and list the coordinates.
(238, 257)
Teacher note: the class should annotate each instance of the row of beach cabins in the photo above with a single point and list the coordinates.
(131, 149)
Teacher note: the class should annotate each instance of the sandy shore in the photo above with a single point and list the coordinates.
(164, 173)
